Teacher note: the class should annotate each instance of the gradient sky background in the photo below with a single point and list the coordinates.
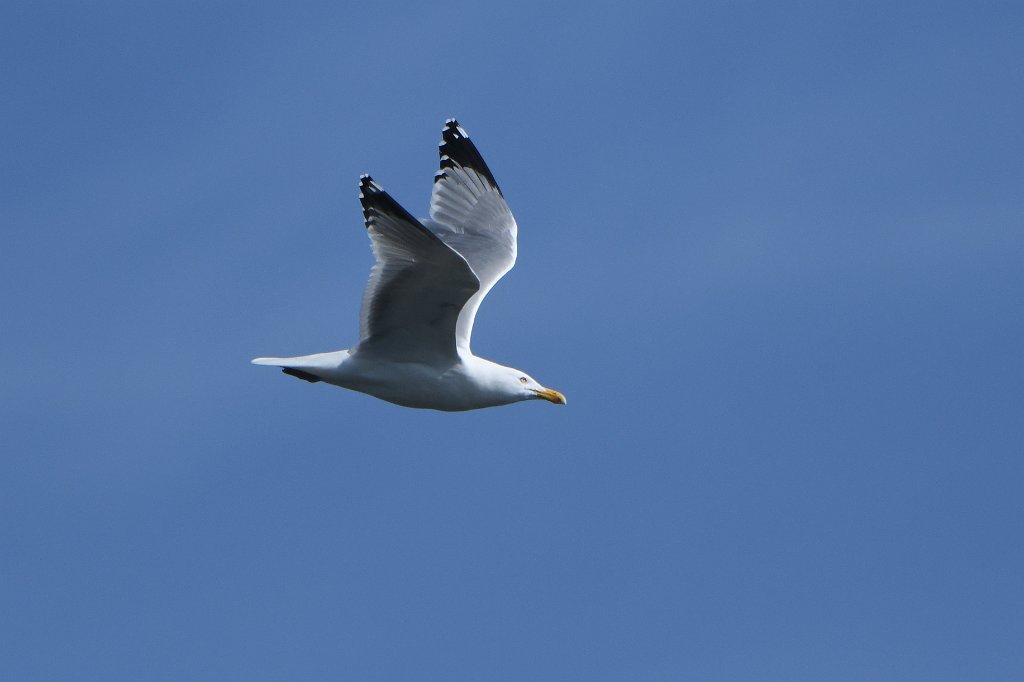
(772, 255)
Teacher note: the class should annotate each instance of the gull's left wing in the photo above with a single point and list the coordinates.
(472, 218)
(417, 287)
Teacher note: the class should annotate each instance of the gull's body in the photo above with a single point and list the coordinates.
(424, 291)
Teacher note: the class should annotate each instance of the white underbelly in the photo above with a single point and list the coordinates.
(411, 385)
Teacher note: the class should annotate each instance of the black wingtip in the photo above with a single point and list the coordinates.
(368, 186)
(457, 149)
(454, 130)
(375, 202)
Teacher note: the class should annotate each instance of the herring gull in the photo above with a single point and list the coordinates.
(424, 291)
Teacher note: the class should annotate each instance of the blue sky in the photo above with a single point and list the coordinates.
(770, 252)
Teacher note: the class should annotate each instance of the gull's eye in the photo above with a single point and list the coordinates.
(523, 380)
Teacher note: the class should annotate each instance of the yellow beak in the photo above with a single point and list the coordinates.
(550, 394)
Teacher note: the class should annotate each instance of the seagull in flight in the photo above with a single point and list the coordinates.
(424, 291)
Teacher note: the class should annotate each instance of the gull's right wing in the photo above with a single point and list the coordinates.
(473, 216)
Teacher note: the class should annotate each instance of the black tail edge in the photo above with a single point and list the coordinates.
(299, 374)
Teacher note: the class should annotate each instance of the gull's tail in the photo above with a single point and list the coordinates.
(309, 368)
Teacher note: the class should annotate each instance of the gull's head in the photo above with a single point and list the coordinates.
(527, 388)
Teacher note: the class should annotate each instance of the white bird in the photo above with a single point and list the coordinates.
(423, 294)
